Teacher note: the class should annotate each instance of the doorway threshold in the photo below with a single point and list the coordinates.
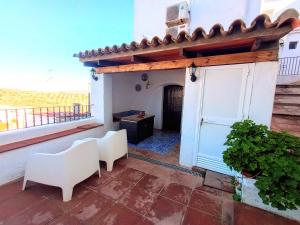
(167, 165)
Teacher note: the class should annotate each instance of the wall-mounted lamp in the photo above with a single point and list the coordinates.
(281, 42)
(93, 72)
(192, 69)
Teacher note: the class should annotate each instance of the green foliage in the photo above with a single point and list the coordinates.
(279, 181)
(245, 143)
(237, 197)
(275, 155)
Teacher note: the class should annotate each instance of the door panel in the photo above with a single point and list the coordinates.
(172, 107)
(224, 100)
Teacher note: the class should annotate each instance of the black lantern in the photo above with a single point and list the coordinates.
(93, 72)
(192, 72)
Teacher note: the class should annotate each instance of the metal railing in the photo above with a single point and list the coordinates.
(12, 119)
(289, 66)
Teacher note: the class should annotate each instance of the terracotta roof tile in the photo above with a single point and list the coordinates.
(261, 22)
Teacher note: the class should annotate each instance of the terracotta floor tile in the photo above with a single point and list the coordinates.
(79, 193)
(151, 183)
(210, 190)
(194, 217)
(158, 195)
(138, 151)
(161, 172)
(145, 222)
(90, 207)
(95, 182)
(218, 181)
(186, 179)
(17, 204)
(117, 168)
(206, 202)
(177, 192)
(131, 175)
(227, 215)
(119, 215)
(139, 165)
(65, 219)
(166, 212)
(247, 215)
(38, 214)
(115, 188)
(138, 199)
(10, 190)
(42, 189)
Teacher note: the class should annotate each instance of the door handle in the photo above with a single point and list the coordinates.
(201, 122)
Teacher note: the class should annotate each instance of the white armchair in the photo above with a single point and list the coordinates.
(64, 169)
(112, 147)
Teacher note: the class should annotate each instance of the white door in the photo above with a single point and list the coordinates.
(224, 99)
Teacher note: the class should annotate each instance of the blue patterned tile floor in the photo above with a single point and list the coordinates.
(161, 142)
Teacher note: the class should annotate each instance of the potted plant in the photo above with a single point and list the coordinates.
(272, 160)
(279, 181)
(245, 143)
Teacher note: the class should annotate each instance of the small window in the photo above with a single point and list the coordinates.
(293, 44)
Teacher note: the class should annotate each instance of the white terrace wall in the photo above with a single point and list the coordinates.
(149, 15)
(125, 97)
(12, 163)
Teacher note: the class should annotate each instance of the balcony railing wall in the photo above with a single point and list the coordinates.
(11, 119)
(289, 66)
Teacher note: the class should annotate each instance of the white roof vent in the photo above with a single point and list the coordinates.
(177, 14)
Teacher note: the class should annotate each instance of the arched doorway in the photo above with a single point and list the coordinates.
(172, 107)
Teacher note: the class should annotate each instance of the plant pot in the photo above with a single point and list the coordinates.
(250, 196)
(248, 174)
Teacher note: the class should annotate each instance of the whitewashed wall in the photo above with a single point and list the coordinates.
(261, 106)
(284, 50)
(124, 96)
(12, 163)
(101, 100)
(149, 15)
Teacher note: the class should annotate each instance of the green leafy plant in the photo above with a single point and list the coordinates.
(245, 143)
(237, 189)
(272, 156)
(279, 181)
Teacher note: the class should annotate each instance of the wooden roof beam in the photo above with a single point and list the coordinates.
(256, 45)
(138, 59)
(183, 53)
(102, 63)
(248, 57)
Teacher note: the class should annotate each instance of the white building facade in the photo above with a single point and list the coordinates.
(150, 20)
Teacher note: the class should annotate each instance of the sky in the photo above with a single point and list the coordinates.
(38, 39)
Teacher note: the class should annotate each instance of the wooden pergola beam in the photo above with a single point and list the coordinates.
(247, 57)
(138, 59)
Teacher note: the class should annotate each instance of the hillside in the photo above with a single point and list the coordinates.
(20, 98)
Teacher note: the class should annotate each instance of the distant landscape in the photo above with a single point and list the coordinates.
(11, 98)
(20, 108)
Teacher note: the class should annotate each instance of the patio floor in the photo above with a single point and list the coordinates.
(135, 193)
(171, 157)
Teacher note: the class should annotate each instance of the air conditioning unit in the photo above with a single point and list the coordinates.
(177, 14)
(174, 31)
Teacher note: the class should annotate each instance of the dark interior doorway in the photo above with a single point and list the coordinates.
(172, 107)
